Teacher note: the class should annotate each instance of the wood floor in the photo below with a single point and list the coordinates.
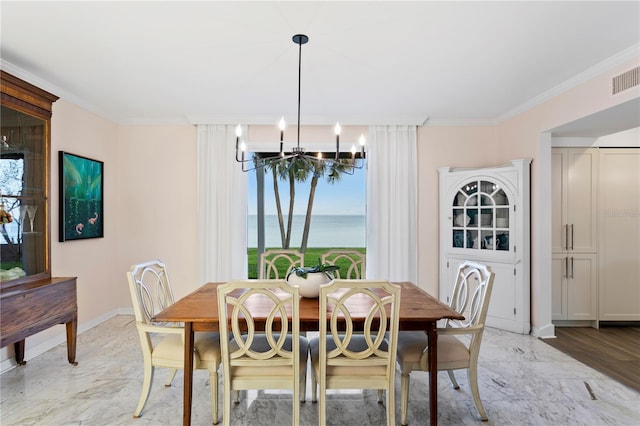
(612, 350)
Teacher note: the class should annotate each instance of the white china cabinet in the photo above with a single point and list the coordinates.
(485, 217)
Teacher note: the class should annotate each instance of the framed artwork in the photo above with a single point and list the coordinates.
(81, 197)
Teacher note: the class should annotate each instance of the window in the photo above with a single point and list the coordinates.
(337, 215)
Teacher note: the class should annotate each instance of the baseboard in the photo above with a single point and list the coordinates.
(546, 332)
(33, 351)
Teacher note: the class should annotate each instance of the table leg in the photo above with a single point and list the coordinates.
(19, 350)
(72, 332)
(188, 372)
(433, 373)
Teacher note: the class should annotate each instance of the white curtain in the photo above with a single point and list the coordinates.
(222, 206)
(392, 203)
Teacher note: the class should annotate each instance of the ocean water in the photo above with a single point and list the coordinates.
(325, 231)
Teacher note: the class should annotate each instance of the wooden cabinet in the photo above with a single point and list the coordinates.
(32, 307)
(484, 216)
(30, 300)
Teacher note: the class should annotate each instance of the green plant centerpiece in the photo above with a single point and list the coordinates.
(309, 279)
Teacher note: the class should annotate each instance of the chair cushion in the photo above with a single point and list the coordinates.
(412, 344)
(260, 344)
(357, 344)
(207, 346)
(170, 350)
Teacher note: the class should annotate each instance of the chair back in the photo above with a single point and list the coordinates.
(259, 308)
(150, 290)
(273, 259)
(471, 296)
(351, 262)
(340, 303)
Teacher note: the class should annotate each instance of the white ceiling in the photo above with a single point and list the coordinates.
(366, 62)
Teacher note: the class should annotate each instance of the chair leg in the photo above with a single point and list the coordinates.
(295, 414)
(454, 382)
(172, 374)
(380, 396)
(226, 400)
(391, 404)
(473, 384)
(236, 397)
(404, 389)
(303, 388)
(146, 388)
(213, 384)
(314, 386)
(322, 406)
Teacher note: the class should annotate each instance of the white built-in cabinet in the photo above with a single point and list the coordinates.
(595, 235)
(619, 235)
(574, 174)
(485, 217)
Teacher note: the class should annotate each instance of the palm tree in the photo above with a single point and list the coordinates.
(292, 171)
(299, 169)
(334, 173)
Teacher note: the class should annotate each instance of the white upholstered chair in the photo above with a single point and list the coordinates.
(458, 341)
(272, 258)
(352, 260)
(259, 353)
(163, 344)
(344, 359)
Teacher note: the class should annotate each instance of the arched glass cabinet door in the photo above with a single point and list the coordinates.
(481, 217)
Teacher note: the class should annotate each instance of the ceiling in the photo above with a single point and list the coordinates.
(366, 62)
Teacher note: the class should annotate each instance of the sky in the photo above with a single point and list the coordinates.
(346, 197)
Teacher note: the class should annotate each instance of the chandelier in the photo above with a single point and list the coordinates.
(314, 161)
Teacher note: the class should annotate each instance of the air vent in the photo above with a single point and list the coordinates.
(626, 80)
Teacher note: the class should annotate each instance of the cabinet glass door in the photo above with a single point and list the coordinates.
(23, 202)
(481, 217)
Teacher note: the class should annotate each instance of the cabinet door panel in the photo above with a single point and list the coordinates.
(559, 287)
(582, 178)
(558, 200)
(582, 287)
(452, 272)
(503, 296)
(619, 256)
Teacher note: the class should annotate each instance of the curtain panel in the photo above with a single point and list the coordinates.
(222, 206)
(392, 203)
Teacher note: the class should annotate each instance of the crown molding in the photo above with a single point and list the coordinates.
(615, 60)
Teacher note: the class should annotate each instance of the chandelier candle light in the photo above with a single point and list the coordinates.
(317, 162)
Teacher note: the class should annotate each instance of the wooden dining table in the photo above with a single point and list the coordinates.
(419, 311)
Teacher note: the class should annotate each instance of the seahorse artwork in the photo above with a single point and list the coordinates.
(92, 220)
(79, 228)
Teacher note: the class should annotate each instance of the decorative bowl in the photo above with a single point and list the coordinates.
(309, 287)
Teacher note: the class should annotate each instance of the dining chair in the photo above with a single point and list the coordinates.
(265, 352)
(344, 359)
(271, 259)
(471, 295)
(163, 343)
(352, 260)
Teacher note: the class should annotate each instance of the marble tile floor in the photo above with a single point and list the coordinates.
(522, 381)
